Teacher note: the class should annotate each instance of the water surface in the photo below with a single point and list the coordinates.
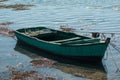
(101, 16)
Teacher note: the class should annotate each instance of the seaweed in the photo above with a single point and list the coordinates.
(42, 63)
(6, 23)
(5, 30)
(16, 6)
(3, 0)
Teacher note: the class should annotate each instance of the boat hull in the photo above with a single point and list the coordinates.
(43, 52)
(91, 52)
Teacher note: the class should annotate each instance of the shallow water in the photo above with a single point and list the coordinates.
(101, 16)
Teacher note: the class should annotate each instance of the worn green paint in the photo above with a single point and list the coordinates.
(82, 47)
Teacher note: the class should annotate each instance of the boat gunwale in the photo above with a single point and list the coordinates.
(60, 44)
(36, 38)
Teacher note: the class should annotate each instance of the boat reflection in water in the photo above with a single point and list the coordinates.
(64, 44)
(34, 52)
(87, 70)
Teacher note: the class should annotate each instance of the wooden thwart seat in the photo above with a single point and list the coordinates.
(84, 41)
(64, 40)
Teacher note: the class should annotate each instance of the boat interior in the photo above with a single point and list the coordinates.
(59, 36)
(65, 38)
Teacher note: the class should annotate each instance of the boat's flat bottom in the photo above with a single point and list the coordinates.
(81, 59)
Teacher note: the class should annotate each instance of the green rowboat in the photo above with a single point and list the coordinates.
(68, 45)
